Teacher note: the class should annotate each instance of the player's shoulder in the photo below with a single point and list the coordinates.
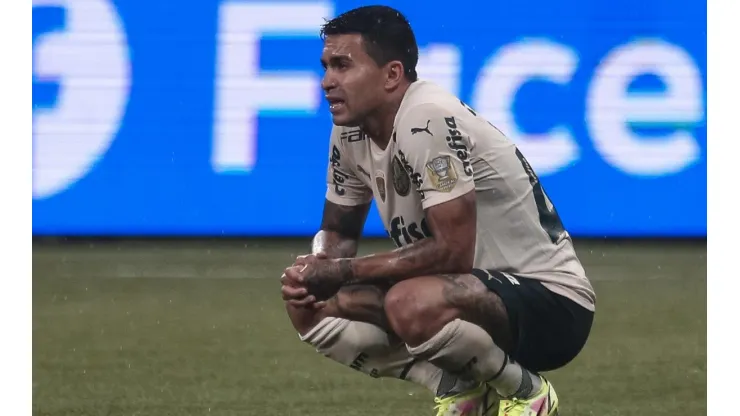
(425, 106)
(348, 140)
(348, 135)
(348, 143)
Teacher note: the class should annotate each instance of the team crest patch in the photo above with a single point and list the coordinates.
(401, 180)
(380, 184)
(442, 173)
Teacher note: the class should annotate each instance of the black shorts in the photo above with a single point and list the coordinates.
(549, 330)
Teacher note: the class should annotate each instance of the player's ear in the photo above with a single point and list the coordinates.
(393, 74)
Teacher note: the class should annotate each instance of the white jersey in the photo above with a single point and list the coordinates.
(440, 150)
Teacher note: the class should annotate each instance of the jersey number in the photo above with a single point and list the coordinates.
(549, 218)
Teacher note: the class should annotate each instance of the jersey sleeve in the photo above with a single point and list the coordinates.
(437, 150)
(343, 185)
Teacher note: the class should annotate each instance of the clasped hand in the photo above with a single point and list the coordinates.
(311, 280)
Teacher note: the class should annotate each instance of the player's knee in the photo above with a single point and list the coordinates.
(416, 309)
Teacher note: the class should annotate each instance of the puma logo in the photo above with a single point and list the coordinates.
(415, 130)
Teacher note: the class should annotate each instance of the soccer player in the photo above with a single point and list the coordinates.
(485, 290)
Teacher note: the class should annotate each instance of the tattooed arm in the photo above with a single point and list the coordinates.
(450, 250)
(340, 232)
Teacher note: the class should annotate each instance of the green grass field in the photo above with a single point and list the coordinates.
(198, 328)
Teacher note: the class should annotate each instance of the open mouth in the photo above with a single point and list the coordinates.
(335, 104)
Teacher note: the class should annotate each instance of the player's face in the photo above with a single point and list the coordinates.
(353, 82)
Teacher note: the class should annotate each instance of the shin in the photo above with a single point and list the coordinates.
(353, 330)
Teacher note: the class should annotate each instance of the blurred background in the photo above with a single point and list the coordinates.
(180, 155)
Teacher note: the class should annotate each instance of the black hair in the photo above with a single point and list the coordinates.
(386, 33)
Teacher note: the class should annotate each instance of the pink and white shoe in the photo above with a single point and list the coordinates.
(544, 403)
(481, 401)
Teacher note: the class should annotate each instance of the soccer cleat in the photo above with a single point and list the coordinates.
(481, 401)
(544, 403)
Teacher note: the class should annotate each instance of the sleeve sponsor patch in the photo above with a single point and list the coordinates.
(442, 173)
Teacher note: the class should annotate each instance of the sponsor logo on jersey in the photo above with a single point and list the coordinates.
(338, 177)
(415, 177)
(401, 179)
(442, 173)
(352, 136)
(403, 234)
(456, 143)
(380, 184)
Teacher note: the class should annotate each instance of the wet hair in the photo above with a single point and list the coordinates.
(386, 33)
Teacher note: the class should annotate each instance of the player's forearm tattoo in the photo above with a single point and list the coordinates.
(450, 250)
(341, 227)
(424, 257)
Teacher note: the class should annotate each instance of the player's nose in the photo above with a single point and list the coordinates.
(328, 82)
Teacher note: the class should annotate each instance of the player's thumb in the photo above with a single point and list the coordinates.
(310, 258)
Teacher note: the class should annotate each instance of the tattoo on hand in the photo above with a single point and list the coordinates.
(345, 270)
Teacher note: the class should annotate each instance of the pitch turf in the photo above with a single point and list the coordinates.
(197, 328)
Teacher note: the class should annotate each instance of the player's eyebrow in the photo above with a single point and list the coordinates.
(335, 59)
